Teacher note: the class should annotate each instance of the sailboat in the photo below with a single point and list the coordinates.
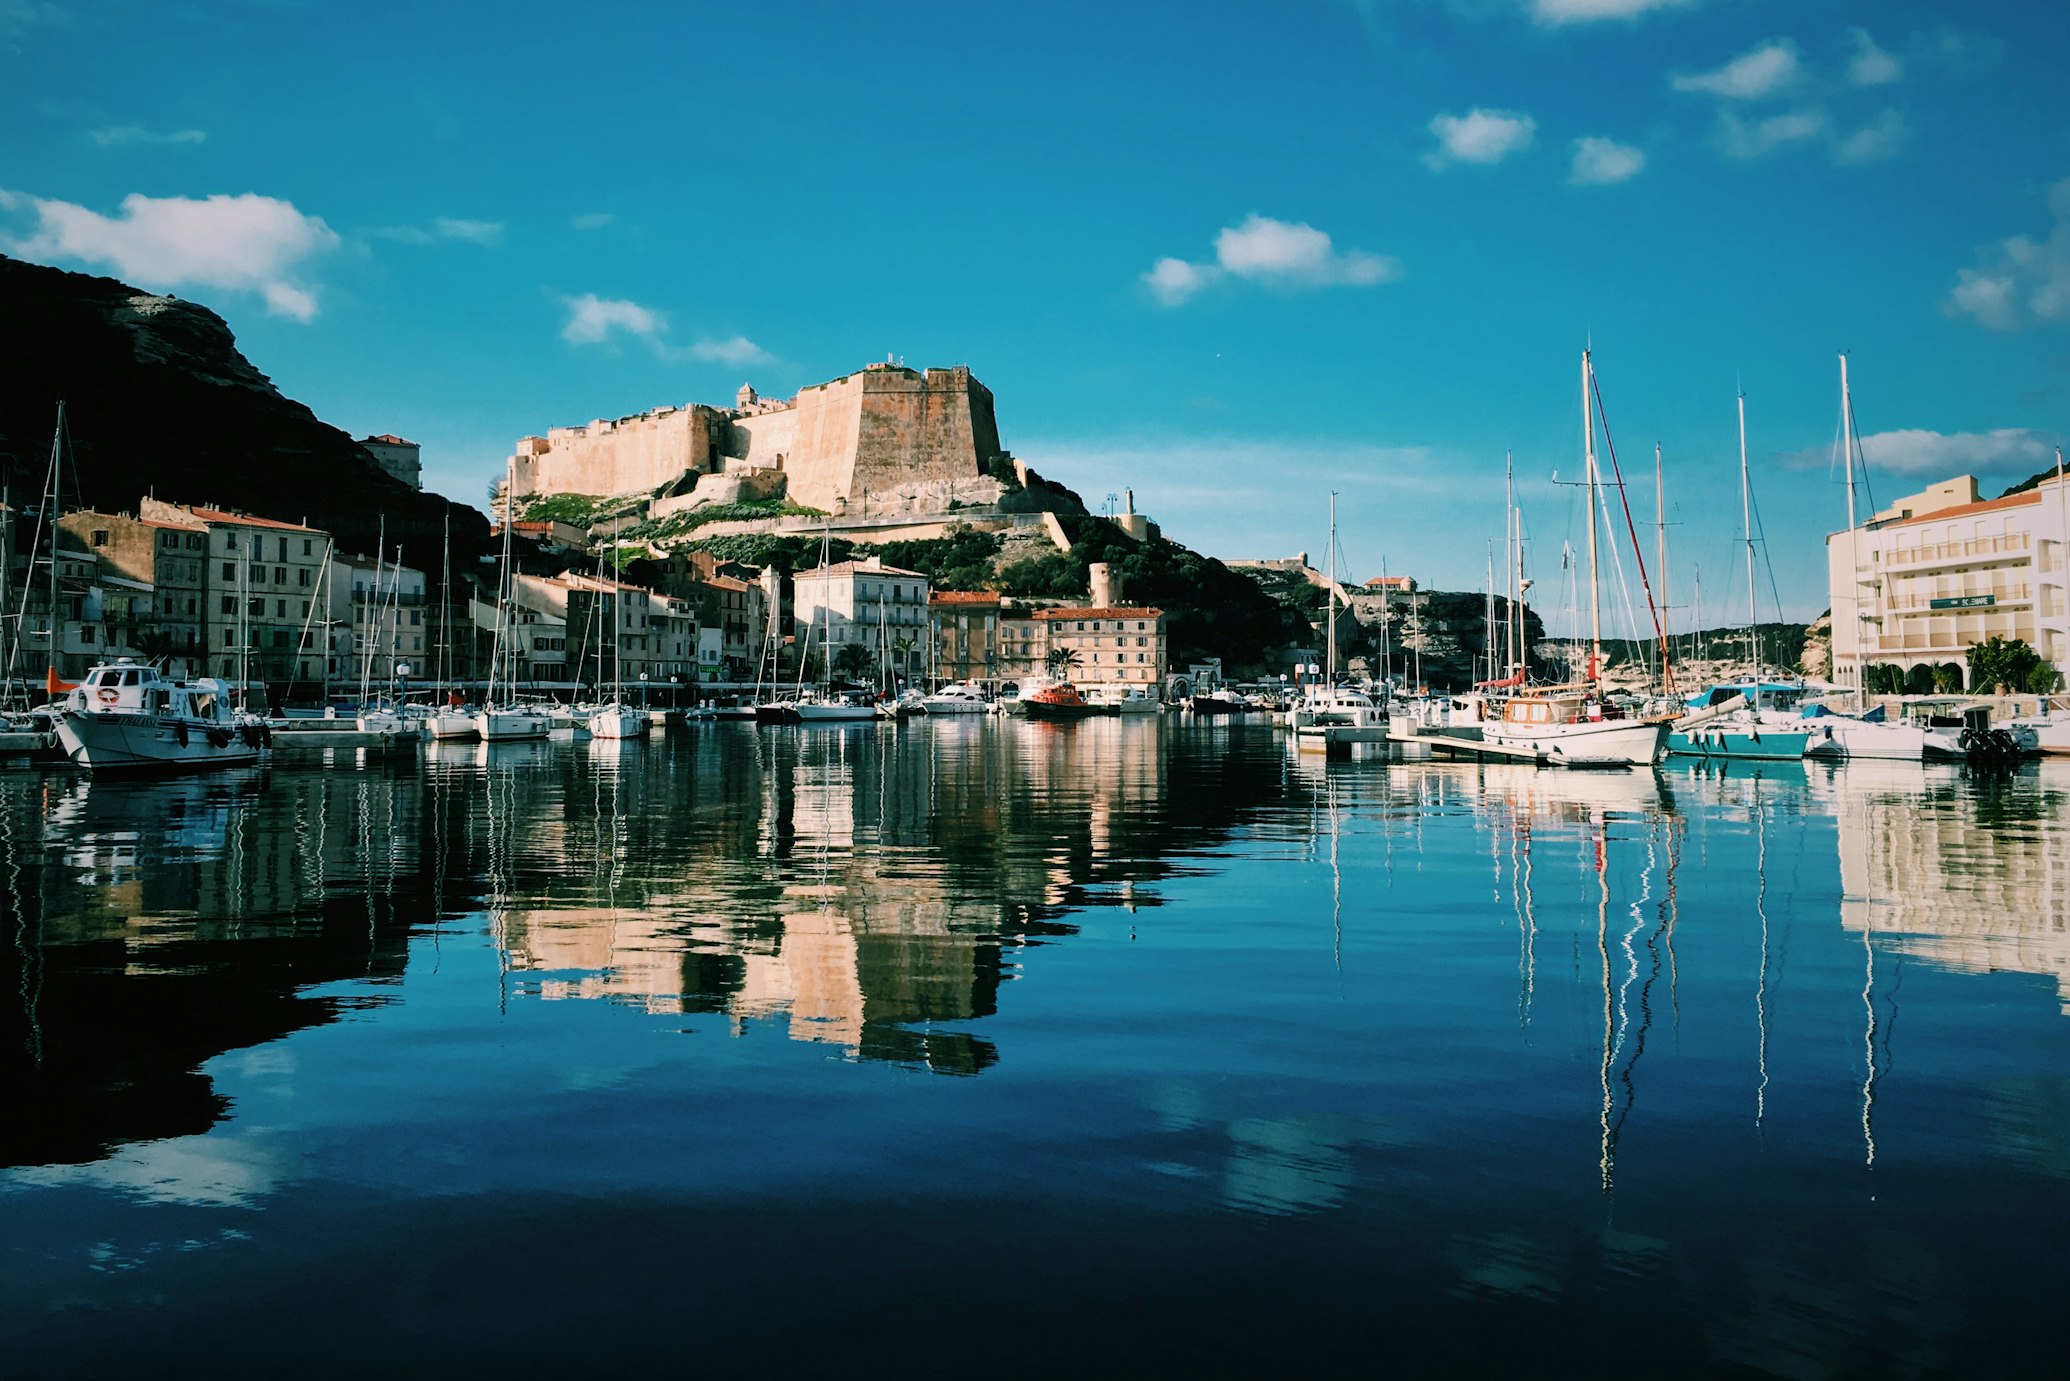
(1329, 715)
(1865, 733)
(503, 720)
(617, 720)
(449, 723)
(1729, 721)
(1573, 724)
(823, 706)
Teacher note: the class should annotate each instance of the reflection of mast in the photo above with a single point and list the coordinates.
(1761, 987)
(1869, 1042)
(1670, 906)
(1527, 919)
(31, 951)
(1605, 1163)
(1336, 878)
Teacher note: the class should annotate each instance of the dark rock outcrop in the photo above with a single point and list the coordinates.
(159, 400)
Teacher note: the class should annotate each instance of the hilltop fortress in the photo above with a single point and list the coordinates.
(884, 441)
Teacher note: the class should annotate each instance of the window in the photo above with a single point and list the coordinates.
(229, 541)
(280, 573)
(258, 575)
(190, 606)
(416, 617)
(307, 550)
(304, 573)
(86, 633)
(168, 539)
(1142, 642)
(283, 549)
(280, 608)
(229, 570)
(229, 604)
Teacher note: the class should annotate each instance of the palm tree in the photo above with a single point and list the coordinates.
(854, 661)
(1061, 660)
(903, 645)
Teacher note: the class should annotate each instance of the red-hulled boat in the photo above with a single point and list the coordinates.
(1060, 701)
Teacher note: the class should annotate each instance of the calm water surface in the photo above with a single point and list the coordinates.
(972, 1048)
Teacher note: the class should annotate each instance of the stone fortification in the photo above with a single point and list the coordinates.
(883, 440)
(628, 455)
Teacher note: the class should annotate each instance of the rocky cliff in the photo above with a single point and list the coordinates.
(158, 399)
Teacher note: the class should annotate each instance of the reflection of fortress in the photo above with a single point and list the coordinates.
(1976, 885)
(875, 907)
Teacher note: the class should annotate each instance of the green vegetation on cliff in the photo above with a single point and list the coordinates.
(690, 519)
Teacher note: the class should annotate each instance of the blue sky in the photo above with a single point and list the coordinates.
(1232, 256)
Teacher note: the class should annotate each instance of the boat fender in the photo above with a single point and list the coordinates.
(108, 694)
(265, 735)
(180, 733)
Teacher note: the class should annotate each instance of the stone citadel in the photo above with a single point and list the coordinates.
(883, 441)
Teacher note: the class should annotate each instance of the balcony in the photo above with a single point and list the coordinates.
(1999, 595)
(1999, 549)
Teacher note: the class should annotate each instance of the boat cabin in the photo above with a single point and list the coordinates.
(127, 687)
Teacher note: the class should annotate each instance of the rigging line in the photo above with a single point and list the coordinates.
(1861, 455)
(1767, 564)
(1617, 472)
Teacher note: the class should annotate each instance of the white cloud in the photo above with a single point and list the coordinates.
(592, 319)
(1870, 65)
(117, 136)
(245, 243)
(1875, 141)
(1276, 251)
(1480, 136)
(1747, 139)
(592, 220)
(1769, 70)
(1175, 280)
(2020, 281)
(443, 229)
(737, 350)
(1589, 11)
(1273, 252)
(1600, 162)
(1921, 454)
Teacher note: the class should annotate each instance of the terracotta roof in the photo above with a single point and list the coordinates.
(1105, 612)
(963, 597)
(217, 515)
(2032, 496)
(727, 582)
(385, 439)
(1391, 582)
(853, 568)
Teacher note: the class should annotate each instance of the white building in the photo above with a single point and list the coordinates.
(863, 602)
(1941, 570)
(378, 621)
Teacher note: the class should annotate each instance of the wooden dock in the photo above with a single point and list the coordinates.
(1466, 747)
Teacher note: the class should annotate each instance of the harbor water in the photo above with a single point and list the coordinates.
(975, 1046)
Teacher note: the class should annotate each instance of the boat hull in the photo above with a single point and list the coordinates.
(1764, 745)
(616, 722)
(510, 726)
(1036, 709)
(1634, 741)
(127, 741)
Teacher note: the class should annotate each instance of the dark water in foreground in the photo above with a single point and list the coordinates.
(977, 1048)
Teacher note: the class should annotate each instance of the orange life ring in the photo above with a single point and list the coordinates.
(108, 695)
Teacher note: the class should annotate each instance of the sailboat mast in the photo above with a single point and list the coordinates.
(1854, 565)
(1330, 637)
(1660, 558)
(1588, 447)
(1509, 561)
(1746, 517)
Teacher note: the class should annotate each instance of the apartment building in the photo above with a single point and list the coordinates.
(152, 574)
(966, 635)
(861, 602)
(1938, 571)
(1107, 644)
(259, 586)
(378, 623)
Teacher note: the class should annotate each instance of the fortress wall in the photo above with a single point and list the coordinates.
(763, 439)
(822, 458)
(623, 457)
(920, 429)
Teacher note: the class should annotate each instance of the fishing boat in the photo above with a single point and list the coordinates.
(126, 717)
(1123, 700)
(1220, 700)
(1059, 700)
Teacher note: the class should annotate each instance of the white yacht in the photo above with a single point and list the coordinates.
(959, 697)
(127, 717)
(1571, 724)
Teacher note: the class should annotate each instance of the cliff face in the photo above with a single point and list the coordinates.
(158, 398)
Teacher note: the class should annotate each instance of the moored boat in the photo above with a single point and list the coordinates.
(1573, 724)
(1059, 700)
(958, 697)
(128, 717)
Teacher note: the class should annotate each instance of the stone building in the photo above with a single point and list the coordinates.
(378, 623)
(1109, 645)
(1940, 570)
(867, 602)
(966, 635)
(1022, 648)
(259, 581)
(398, 457)
(161, 556)
(611, 630)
